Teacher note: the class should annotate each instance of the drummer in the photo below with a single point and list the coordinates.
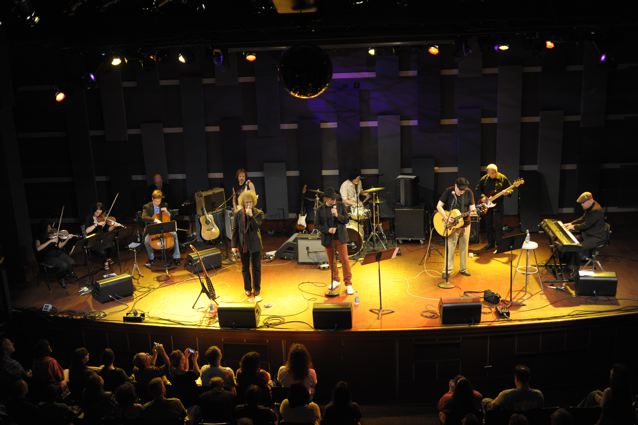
(351, 191)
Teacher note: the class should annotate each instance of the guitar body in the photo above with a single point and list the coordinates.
(301, 222)
(439, 224)
(488, 202)
(210, 231)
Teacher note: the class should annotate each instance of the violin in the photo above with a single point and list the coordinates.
(62, 235)
(107, 220)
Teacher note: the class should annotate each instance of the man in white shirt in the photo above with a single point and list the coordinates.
(350, 190)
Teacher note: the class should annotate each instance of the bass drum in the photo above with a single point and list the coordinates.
(359, 213)
(355, 237)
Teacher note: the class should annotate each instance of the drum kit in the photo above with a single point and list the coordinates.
(364, 225)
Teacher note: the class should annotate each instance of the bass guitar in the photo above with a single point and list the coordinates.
(210, 231)
(207, 287)
(301, 219)
(455, 220)
(488, 202)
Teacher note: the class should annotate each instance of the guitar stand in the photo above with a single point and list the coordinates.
(203, 290)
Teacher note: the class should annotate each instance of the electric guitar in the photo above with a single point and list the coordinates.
(455, 220)
(209, 289)
(301, 220)
(489, 201)
(210, 230)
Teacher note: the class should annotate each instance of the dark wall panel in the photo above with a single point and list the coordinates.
(550, 144)
(194, 136)
(309, 151)
(154, 150)
(233, 150)
(423, 168)
(594, 88)
(429, 92)
(113, 112)
(469, 144)
(389, 160)
(267, 92)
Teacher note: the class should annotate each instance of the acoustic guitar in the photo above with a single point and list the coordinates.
(455, 220)
(301, 219)
(210, 231)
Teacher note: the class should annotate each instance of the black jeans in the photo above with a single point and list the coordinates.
(61, 261)
(494, 225)
(246, 260)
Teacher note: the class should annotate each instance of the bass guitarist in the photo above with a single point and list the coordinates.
(457, 197)
(491, 183)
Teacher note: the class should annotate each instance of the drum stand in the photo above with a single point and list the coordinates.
(376, 233)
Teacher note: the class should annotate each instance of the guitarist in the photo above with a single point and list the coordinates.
(491, 183)
(457, 197)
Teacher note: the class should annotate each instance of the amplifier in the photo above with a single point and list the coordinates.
(288, 250)
(332, 316)
(212, 199)
(457, 310)
(113, 288)
(409, 223)
(211, 257)
(310, 250)
(239, 315)
(601, 283)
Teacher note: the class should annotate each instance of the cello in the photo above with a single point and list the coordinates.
(162, 241)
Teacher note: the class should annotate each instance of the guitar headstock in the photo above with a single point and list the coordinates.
(305, 188)
(519, 181)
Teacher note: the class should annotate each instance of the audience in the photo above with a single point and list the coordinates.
(519, 399)
(257, 413)
(341, 410)
(113, 376)
(561, 417)
(183, 375)
(213, 368)
(215, 405)
(162, 410)
(470, 419)
(445, 398)
(298, 369)
(145, 369)
(98, 405)
(464, 400)
(129, 411)
(518, 419)
(250, 373)
(19, 408)
(79, 373)
(298, 408)
(10, 370)
(616, 400)
(53, 412)
(46, 372)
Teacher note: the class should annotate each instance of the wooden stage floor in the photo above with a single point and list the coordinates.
(290, 289)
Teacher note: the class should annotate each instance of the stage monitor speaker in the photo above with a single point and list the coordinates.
(113, 288)
(212, 199)
(602, 284)
(239, 315)
(310, 250)
(458, 310)
(332, 315)
(211, 257)
(409, 223)
(288, 250)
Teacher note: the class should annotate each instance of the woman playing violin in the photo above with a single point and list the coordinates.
(49, 247)
(97, 222)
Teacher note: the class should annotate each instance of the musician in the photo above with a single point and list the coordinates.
(156, 206)
(159, 184)
(350, 190)
(331, 222)
(96, 223)
(458, 197)
(242, 184)
(591, 225)
(50, 251)
(490, 184)
(246, 240)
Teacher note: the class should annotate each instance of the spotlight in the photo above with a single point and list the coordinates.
(434, 50)
(602, 58)
(549, 44)
(181, 58)
(92, 77)
(502, 47)
(371, 51)
(116, 61)
(60, 96)
(250, 56)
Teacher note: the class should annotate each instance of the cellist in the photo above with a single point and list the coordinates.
(150, 212)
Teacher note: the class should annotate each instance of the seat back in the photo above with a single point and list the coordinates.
(585, 415)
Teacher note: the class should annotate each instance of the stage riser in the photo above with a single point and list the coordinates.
(381, 366)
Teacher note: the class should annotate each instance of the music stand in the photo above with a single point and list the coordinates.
(509, 244)
(161, 228)
(377, 257)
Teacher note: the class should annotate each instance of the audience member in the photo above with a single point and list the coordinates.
(184, 373)
(250, 373)
(19, 409)
(470, 419)
(445, 398)
(162, 410)
(518, 419)
(10, 370)
(561, 417)
(113, 376)
(213, 368)
(616, 402)
(51, 411)
(145, 369)
(46, 371)
(129, 411)
(257, 413)
(464, 400)
(341, 410)
(215, 405)
(298, 369)
(298, 407)
(98, 405)
(519, 399)
(79, 373)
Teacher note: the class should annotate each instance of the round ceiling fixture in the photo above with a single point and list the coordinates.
(306, 71)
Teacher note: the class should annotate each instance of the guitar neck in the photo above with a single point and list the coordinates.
(501, 193)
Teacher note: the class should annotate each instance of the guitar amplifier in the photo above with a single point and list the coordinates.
(409, 223)
(310, 250)
(602, 284)
(212, 259)
(113, 288)
(457, 310)
(212, 199)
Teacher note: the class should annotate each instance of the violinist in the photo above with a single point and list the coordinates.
(50, 250)
(97, 223)
(150, 212)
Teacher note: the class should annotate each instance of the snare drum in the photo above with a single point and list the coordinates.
(359, 212)
(354, 230)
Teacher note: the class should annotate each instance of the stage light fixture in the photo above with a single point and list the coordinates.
(116, 61)
(501, 47)
(59, 96)
(602, 58)
(372, 51)
(92, 77)
(218, 56)
(250, 56)
(549, 44)
(434, 49)
(181, 58)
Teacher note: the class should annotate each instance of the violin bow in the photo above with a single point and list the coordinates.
(109, 212)
(59, 224)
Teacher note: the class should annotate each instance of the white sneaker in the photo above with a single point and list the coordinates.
(335, 284)
(349, 289)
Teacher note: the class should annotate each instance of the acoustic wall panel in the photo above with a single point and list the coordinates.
(233, 150)
(154, 150)
(550, 146)
(469, 144)
(309, 153)
(423, 168)
(113, 111)
(429, 92)
(276, 190)
(194, 136)
(389, 144)
(594, 88)
(267, 92)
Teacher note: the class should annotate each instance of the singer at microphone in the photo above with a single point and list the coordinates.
(246, 241)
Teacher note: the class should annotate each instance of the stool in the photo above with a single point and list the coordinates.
(528, 269)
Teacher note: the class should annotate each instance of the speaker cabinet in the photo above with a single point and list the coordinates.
(310, 250)
(601, 283)
(212, 199)
(475, 229)
(212, 259)
(332, 315)
(288, 250)
(459, 310)
(113, 288)
(409, 223)
(239, 315)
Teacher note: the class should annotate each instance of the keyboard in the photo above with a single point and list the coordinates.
(561, 238)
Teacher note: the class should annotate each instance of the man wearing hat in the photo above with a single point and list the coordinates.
(457, 197)
(591, 225)
(246, 240)
(331, 222)
(490, 184)
(155, 207)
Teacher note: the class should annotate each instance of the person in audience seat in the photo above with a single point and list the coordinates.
(51, 411)
(213, 368)
(113, 376)
(258, 414)
(518, 399)
(249, 373)
(145, 369)
(19, 409)
(464, 400)
(341, 410)
(518, 419)
(98, 405)
(184, 372)
(215, 405)
(298, 369)
(445, 398)
(298, 408)
(46, 371)
(79, 373)
(616, 400)
(162, 410)
(561, 417)
(129, 411)
(10, 370)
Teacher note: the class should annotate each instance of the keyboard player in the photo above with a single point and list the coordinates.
(591, 226)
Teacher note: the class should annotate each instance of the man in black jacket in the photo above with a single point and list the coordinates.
(246, 240)
(331, 222)
(591, 225)
(490, 184)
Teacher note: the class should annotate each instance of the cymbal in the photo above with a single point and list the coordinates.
(377, 201)
(315, 191)
(373, 189)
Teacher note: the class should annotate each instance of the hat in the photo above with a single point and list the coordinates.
(462, 183)
(584, 197)
(247, 195)
(331, 193)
